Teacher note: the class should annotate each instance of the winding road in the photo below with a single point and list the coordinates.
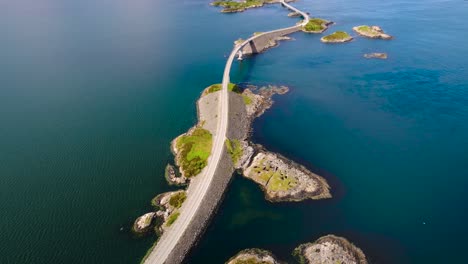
(200, 184)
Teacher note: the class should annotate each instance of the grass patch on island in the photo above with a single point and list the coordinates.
(315, 24)
(177, 199)
(217, 87)
(368, 30)
(338, 35)
(234, 149)
(172, 218)
(247, 99)
(250, 261)
(281, 182)
(194, 151)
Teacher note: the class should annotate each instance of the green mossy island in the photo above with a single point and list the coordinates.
(371, 32)
(284, 180)
(316, 25)
(238, 6)
(337, 37)
(193, 150)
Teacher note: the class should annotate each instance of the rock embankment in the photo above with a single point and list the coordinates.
(284, 180)
(253, 256)
(374, 32)
(329, 249)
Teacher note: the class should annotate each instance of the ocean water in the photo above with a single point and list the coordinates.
(92, 93)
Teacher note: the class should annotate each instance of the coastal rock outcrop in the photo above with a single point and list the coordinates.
(167, 205)
(143, 223)
(284, 180)
(173, 177)
(253, 256)
(241, 6)
(329, 249)
(371, 32)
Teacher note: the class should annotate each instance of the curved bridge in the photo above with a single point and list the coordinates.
(165, 248)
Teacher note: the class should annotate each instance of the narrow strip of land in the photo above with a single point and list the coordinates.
(200, 184)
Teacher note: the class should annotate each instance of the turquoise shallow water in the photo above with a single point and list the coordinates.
(92, 92)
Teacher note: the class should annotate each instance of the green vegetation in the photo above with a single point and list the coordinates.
(217, 87)
(234, 149)
(315, 24)
(194, 150)
(251, 260)
(172, 218)
(247, 99)
(281, 182)
(368, 30)
(177, 199)
(232, 6)
(338, 35)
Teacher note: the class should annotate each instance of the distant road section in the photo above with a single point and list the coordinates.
(199, 185)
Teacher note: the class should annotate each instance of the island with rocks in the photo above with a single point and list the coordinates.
(241, 6)
(253, 256)
(376, 55)
(328, 249)
(165, 213)
(316, 25)
(374, 32)
(337, 37)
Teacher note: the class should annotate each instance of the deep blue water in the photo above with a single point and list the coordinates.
(92, 92)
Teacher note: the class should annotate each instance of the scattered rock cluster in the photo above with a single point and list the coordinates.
(328, 249)
(253, 256)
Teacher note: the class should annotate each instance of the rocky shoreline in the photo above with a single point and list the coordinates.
(328, 249)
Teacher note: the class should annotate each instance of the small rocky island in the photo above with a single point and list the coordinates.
(374, 32)
(329, 249)
(284, 180)
(253, 256)
(376, 55)
(166, 207)
(241, 6)
(316, 25)
(337, 37)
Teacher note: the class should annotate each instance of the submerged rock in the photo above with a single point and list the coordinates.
(376, 55)
(329, 249)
